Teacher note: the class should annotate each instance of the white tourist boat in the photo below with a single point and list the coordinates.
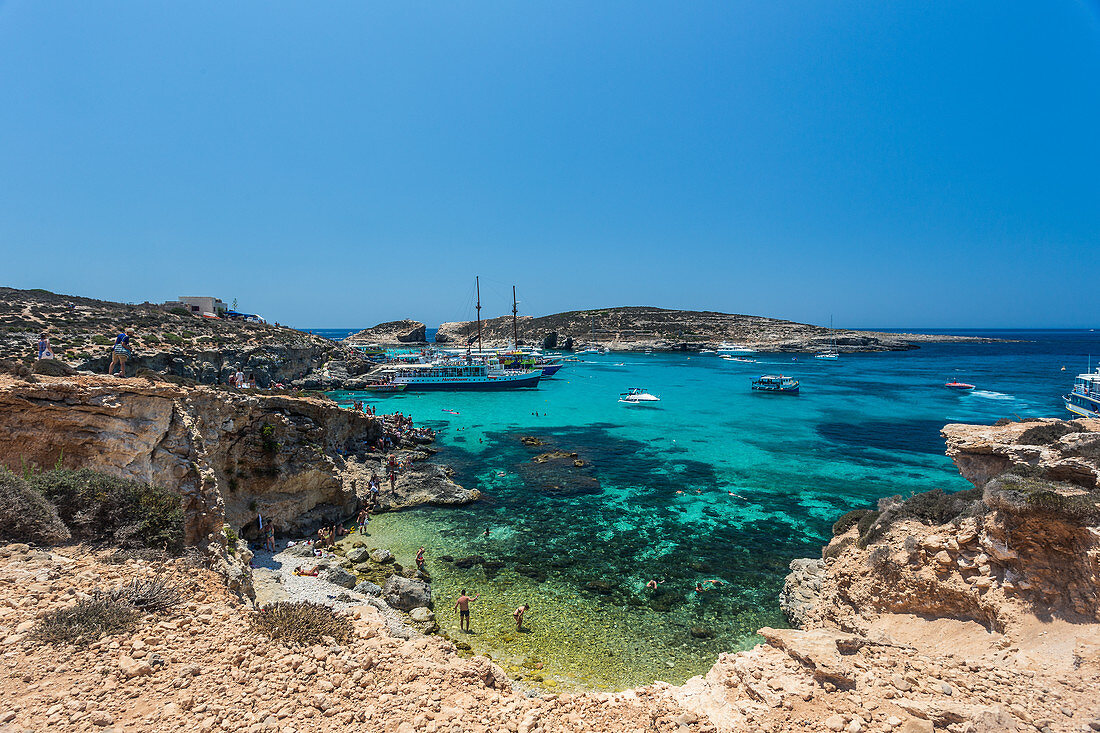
(1084, 400)
(638, 396)
(725, 348)
(706, 351)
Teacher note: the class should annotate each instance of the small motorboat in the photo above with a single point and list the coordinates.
(775, 384)
(638, 396)
(827, 355)
(707, 351)
(959, 386)
(742, 359)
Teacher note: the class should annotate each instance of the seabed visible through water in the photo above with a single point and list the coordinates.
(715, 484)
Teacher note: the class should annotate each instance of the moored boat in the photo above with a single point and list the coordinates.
(775, 383)
(384, 387)
(1084, 400)
(638, 396)
(725, 348)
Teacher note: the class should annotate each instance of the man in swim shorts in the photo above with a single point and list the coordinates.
(463, 606)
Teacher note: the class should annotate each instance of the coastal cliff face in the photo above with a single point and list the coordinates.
(231, 456)
(639, 327)
(392, 332)
(207, 351)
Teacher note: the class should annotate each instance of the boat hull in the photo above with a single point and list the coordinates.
(1082, 405)
(484, 384)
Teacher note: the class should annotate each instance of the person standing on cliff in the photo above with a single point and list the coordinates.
(119, 353)
(462, 605)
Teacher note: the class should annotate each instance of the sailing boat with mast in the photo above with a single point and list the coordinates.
(526, 358)
(831, 353)
(473, 372)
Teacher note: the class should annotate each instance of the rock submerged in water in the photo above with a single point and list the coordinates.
(702, 632)
(359, 554)
(405, 594)
(380, 555)
(469, 561)
(368, 588)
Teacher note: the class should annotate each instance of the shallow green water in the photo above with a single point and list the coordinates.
(717, 483)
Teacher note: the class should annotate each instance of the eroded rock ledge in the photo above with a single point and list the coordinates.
(233, 456)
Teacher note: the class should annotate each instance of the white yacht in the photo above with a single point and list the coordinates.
(638, 396)
(734, 349)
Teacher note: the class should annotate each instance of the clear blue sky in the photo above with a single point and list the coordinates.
(340, 164)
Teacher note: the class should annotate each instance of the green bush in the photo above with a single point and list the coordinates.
(847, 521)
(172, 338)
(301, 623)
(179, 311)
(151, 339)
(127, 514)
(187, 334)
(101, 340)
(25, 515)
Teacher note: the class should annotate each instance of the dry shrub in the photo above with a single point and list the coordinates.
(150, 596)
(301, 623)
(25, 515)
(87, 621)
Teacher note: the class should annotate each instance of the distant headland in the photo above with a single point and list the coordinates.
(636, 328)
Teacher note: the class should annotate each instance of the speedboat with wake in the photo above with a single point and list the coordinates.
(638, 396)
(958, 386)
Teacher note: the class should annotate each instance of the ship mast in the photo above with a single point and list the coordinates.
(515, 328)
(477, 284)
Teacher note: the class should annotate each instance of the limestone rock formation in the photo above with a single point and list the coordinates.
(639, 327)
(405, 594)
(208, 351)
(232, 456)
(391, 332)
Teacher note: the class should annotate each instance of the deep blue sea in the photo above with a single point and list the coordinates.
(717, 483)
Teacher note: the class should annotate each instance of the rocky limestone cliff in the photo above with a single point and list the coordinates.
(208, 351)
(231, 455)
(640, 327)
(391, 332)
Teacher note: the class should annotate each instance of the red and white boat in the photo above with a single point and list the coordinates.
(959, 386)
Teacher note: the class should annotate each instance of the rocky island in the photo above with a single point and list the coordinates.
(635, 328)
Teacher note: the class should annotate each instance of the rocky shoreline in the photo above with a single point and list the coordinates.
(968, 612)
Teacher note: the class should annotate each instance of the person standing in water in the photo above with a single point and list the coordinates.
(518, 616)
(420, 559)
(462, 605)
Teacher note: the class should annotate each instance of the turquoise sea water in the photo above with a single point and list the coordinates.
(717, 483)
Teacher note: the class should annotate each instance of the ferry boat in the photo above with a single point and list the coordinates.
(638, 396)
(775, 383)
(384, 387)
(1084, 400)
(484, 373)
(482, 376)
